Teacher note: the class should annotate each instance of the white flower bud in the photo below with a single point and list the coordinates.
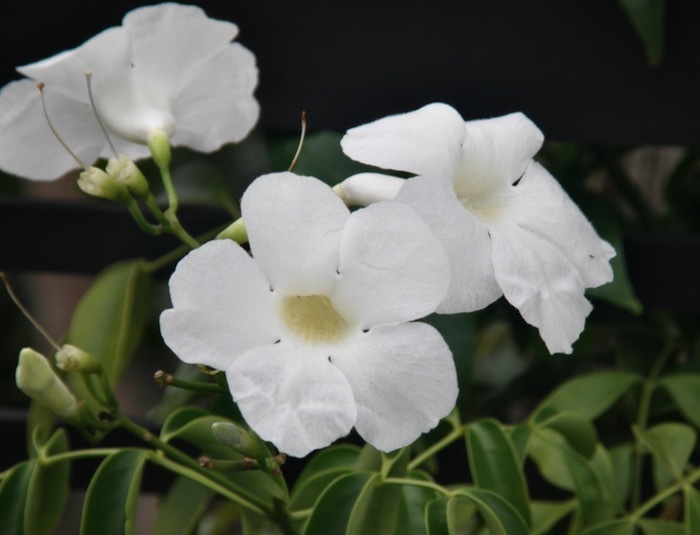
(364, 189)
(97, 183)
(36, 378)
(236, 231)
(159, 145)
(124, 171)
(71, 358)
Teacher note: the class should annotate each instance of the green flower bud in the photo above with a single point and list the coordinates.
(237, 439)
(159, 145)
(37, 379)
(97, 183)
(124, 171)
(236, 231)
(70, 358)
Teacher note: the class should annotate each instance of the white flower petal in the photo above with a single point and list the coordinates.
(465, 239)
(222, 306)
(364, 189)
(541, 283)
(403, 379)
(217, 105)
(392, 267)
(27, 146)
(294, 225)
(292, 397)
(425, 141)
(496, 153)
(543, 208)
(170, 39)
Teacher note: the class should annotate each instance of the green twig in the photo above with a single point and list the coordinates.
(167, 379)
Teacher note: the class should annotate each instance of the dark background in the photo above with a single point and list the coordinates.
(576, 67)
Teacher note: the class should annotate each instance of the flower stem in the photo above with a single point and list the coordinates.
(456, 433)
(133, 207)
(168, 379)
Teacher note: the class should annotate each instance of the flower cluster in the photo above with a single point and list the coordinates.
(315, 327)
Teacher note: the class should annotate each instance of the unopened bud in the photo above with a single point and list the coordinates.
(37, 379)
(124, 171)
(236, 231)
(70, 358)
(237, 439)
(97, 183)
(159, 145)
(364, 189)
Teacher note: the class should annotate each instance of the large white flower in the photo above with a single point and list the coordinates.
(168, 68)
(507, 225)
(315, 330)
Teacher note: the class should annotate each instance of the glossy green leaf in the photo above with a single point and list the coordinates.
(495, 464)
(414, 500)
(13, 497)
(436, 522)
(660, 527)
(648, 20)
(48, 488)
(334, 507)
(545, 515)
(692, 510)
(201, 182)
(182, 507)
(589, 395)
(112, 496)
(110, 317)
(670, 445)
(684, 388)
(613, 527)
(520, 437)
(500, 516)
(324, 468)
(376, 509)
(602, 464)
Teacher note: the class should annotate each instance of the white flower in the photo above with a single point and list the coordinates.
(315, 331)
(167, 68)
(506, 224)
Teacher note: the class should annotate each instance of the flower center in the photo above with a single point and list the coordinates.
(485, 207)
(313, 318)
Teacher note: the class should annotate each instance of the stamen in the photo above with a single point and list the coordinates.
(40, 85)
(88, 77)
(301, 141)
(26, 313)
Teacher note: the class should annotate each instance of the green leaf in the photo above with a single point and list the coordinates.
(545, 515)
(684, 388)
(648, 19)
(110, 317)
(602, 464)
(577, 429)
(520, 437)
(621, 460)
(436, 522)
(495, 465)
(48, 488)
(376, 509)
(182, 507)
(13, 497)
(112, 496)
(660, 527)
(201, 182)
(692, 510)
(500, 516)
(334, 507)
(324, 468)
(670, 445)
(413, 503)
(613, 527)
(590, 395)
(562, 466)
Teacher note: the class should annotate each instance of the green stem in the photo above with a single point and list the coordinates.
(167, 179)
(662, 496)
(417, 483)
(79, 454)
(133, 206)
(168, 379)
(648, 388)
(448, 439)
